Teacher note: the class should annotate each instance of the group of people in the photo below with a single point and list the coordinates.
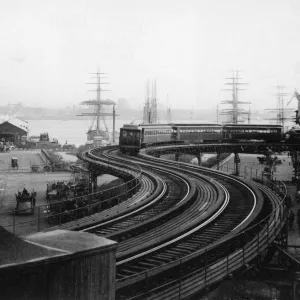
(5, 146)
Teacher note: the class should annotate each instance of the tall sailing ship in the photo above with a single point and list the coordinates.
(98, 134)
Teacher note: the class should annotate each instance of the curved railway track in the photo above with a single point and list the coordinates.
(163, 254)
(174, 195)
(235, 217)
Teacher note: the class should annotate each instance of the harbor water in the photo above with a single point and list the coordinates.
(71, 131)
(75, 131)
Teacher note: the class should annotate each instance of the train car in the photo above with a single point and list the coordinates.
(252, 132)
(153, 133)
(130, 139)
(134, 137)
(292, 136)
(197, 133)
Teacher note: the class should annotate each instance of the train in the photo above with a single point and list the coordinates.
(134, 137)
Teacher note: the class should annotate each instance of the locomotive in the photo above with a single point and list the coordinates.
(134, 137)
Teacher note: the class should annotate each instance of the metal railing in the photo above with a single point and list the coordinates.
(248, 244)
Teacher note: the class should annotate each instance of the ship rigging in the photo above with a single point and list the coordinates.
(98, 134)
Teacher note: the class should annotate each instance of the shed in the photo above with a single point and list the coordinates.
(13, 130)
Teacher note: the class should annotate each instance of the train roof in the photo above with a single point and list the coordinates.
(130, 126)
(147, 126)
(252, 125)
(156, 127)
(197, 125)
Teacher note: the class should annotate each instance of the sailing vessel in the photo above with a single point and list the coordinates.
(98, 134)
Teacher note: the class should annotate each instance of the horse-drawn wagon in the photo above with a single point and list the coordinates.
(14, 163)
(25, 202)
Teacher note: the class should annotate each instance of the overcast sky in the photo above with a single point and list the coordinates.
(49, 47)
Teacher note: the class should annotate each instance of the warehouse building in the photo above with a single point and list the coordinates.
(14, 130)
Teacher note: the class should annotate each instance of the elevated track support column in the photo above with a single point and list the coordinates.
(90, 181)
(218, 160)
(92, 184)
(95, 182)
(199, 157)
(236, 164)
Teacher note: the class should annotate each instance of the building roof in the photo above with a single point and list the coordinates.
(19, 123)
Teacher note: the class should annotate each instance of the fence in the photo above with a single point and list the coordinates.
(59, 212)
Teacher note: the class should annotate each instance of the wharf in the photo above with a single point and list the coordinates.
(13, 180)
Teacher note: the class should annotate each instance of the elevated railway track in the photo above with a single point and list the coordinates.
(140, 272)
(201, 226)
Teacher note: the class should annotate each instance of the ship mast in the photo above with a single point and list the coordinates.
(280, 111)
(98, 104)
(235, 112)
(98, 107)
(150, 115)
